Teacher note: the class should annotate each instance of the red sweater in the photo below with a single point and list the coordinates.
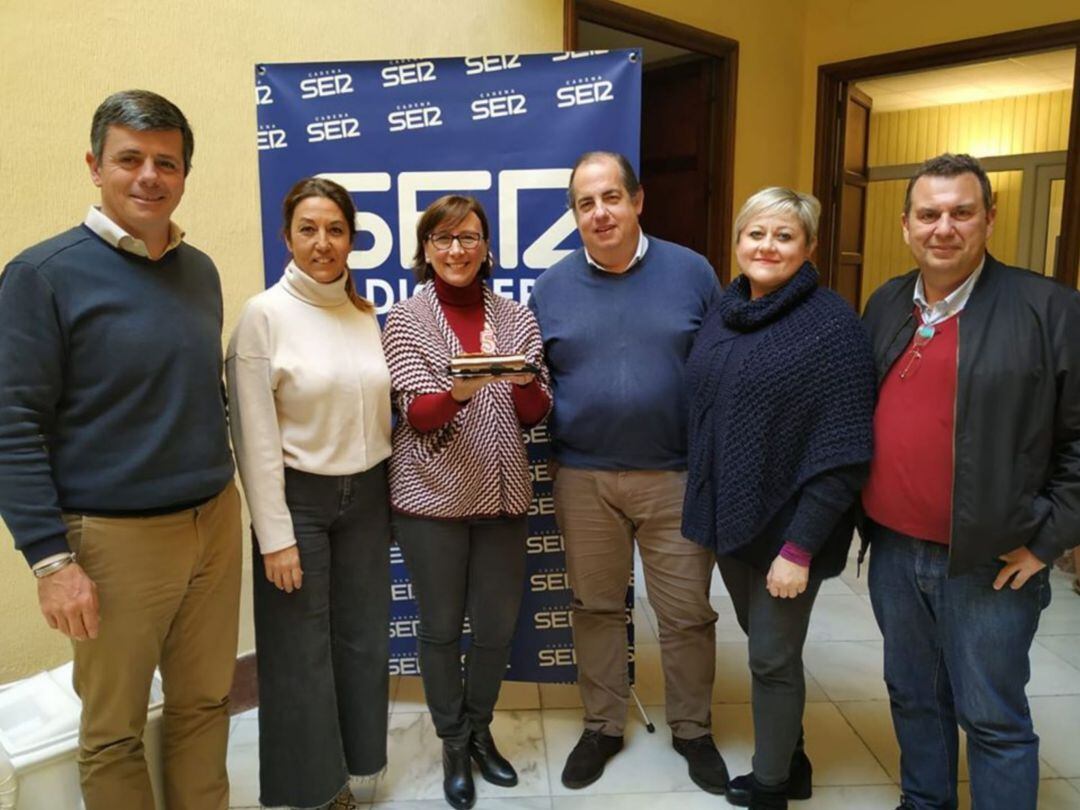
(463, 308)
(911, 474)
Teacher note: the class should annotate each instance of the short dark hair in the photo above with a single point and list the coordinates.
(950, 165)
(339, 196)
(448, 211)
(140, 110)
(629, 177)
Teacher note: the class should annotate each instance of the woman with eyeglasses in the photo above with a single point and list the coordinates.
(459, 479)
(781, 391)
(309, 395)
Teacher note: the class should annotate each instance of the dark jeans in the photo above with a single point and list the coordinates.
(956, 650)
(323, 649)
(456, 565)
(776, 629)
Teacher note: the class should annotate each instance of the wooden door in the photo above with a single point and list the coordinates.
(676, 151)
(849, 222)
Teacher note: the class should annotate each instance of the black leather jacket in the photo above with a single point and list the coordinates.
(1016, 439)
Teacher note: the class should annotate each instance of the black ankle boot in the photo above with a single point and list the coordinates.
(800, 776)
(771, 797)
(493, 766)
(458, 784)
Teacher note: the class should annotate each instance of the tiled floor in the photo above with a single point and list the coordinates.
(849, 733)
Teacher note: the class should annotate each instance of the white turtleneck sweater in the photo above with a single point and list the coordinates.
(308, 389)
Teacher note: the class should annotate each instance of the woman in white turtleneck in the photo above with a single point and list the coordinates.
(309, 395)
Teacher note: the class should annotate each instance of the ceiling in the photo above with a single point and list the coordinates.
(1016, 76)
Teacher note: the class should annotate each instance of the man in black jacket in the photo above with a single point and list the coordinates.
(974, 488)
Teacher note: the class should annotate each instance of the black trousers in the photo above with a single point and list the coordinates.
(459, 565)
(323, 649)
(776, 629)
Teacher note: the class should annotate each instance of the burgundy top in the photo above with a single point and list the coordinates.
(463, 308)
(911, 473)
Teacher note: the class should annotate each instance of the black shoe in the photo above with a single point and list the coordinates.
(493, 766)
(707, 768)
(457, 783)
(799, 785)
(586, 762)
(744, 791)
(800, 776)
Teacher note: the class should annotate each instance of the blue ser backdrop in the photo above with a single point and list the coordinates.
(398, 134)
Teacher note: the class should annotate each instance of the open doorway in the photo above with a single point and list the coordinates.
(688, 121)
(1015, 109)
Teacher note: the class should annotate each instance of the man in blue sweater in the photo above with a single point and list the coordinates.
(116, 479)
(618, 318)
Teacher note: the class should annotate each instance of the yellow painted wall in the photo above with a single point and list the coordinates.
(58, 59)
(1005, 126)
(838, 30)
(770, 35)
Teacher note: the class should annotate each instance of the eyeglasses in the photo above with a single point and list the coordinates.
(923, 335)
(443, 241)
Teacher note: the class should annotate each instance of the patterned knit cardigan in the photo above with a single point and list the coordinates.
(476, 465)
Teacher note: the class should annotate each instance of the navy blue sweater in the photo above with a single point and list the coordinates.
(110, 385)
(616, 346)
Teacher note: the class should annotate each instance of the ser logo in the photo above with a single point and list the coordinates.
(326, 83)
(588, 90)
(549, 581)
(271, 137)
(562, 57)
(333, 128)
(264, 94)
(408, 73)
(490, 64)
(557, 657)
(498, 104)
(415, 116)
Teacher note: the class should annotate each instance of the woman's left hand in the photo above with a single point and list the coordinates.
(519, 379)
(786, 579)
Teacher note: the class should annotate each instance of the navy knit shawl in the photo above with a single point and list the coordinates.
(799, 403)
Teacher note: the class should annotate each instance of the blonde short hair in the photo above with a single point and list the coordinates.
(784, 201)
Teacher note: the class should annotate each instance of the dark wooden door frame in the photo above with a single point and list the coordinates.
(724, 80)
(833, 78)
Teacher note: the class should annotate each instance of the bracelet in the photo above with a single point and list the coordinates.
(54, 566)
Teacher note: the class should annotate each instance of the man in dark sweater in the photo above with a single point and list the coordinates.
(974, 489)
(618, 318)
(116, 479)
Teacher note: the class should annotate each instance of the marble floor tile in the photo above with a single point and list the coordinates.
(840, 756)
(1050, 673)
(1062, 617)
(242, 761)
(835, 586)
(1065, 647)
(1058, 794)
(854, 797)
(847, 670)
(520, 803)
(415, 753)
(1057, 720)
(856, 584)
(698, 800)
(647, 763)
(842, 618)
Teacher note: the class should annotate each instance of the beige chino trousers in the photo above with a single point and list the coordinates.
(600, 513)
(169, 595)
